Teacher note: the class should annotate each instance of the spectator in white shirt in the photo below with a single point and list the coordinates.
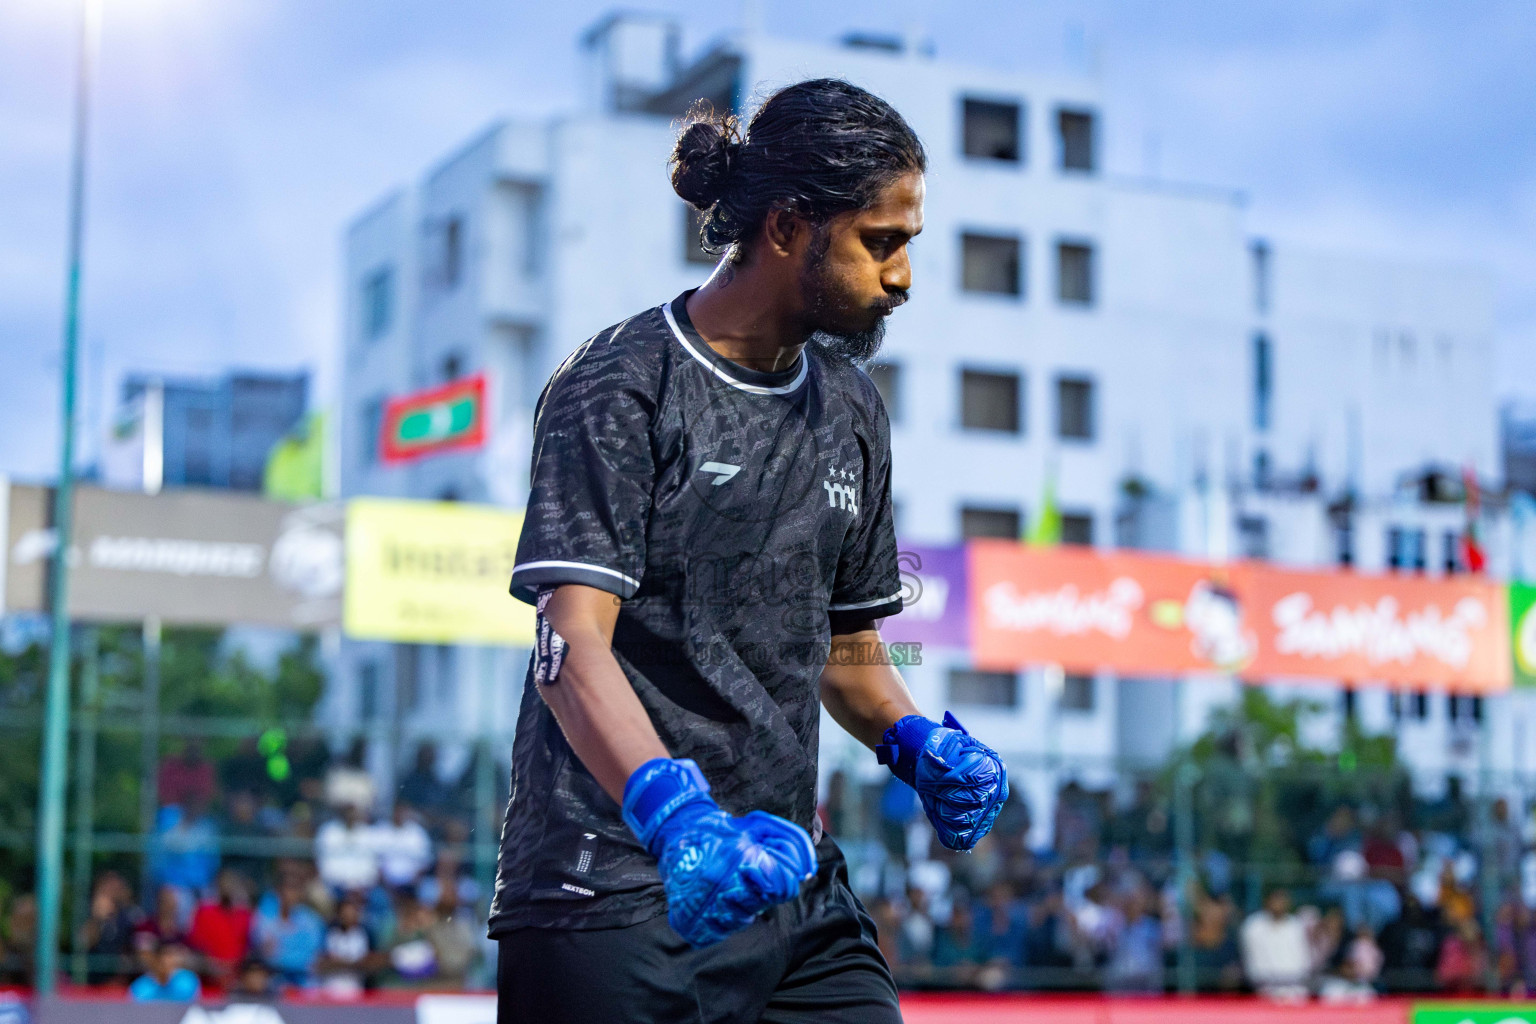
(405, 849)
(1277, 957)
(346, 852)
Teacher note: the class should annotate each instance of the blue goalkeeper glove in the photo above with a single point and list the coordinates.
(720, 872)
(960, 780)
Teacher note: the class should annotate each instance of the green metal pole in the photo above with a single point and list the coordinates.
(149, 753)
(85, 795)
(50, 796)
(1184, 778)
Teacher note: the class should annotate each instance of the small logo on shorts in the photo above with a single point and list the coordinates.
(577, 889)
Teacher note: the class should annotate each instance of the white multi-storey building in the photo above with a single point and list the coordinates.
(1125, 338)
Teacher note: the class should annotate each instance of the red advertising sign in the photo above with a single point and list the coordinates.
(448, 418)
(1133, 613)
(1140, 614)
(1450, 633)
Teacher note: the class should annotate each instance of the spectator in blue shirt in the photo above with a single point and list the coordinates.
(287, 933)
(168, 979)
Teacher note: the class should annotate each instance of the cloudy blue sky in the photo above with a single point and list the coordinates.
(235, 137)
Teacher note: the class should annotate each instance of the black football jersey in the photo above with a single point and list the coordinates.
(742, 517)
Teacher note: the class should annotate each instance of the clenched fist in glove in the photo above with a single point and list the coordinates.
(960, 780)
(720, 871)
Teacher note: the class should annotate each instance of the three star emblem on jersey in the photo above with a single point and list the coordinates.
(842, 487)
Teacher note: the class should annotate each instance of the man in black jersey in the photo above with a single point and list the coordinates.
(710, 548)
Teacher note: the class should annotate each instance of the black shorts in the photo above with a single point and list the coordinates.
(811, 959)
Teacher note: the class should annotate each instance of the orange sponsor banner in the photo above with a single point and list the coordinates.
(1149, 615)
(1132, 613)
(1449, 633)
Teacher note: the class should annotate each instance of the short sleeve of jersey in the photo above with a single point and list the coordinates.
(592, 476)
(868, 583)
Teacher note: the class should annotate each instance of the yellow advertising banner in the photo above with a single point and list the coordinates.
(433, 572)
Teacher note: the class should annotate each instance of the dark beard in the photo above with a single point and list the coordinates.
(858, 348)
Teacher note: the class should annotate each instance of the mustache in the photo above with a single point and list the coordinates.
(894, 298)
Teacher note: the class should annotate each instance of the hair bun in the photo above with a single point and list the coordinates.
(701, 160)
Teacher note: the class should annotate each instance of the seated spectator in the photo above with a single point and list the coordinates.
(187, 779)
(241, 823)
(1136, 959)
(164, 927)
(1339, 833)
(1463, 961)
(1410, 946)
(184, 851)
(221, 927)
(915, 943)
(421, 787)
(287, 933)
(348, 957)
(1214, 946)
(18, 941)
(956, 949)
(412, 954)
(1277, 956)
(346, 852)
(453, 937)
(245, 771)
(347, 781)
(168, 979)
(448, 876)
(253, 983)
(404, 848)
(107, 935)
(1001, 927)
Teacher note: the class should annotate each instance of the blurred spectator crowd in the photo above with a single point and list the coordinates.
(1368, 900)
(266, 874)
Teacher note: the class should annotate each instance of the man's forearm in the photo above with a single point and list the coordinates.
(861, 690)
(591, 697)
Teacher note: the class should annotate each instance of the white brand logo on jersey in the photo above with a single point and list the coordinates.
(579, 890)
(842, 489)
(723, 471)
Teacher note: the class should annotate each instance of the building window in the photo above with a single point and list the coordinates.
(991, 401)
(1466, 710)
(989, 689)
(1075, 130)
(1406, 549)
(1253, 537)
(372, 427)
(453, 252)
(1409, 705)
(1077, 528)
(993, 131)
(1003, 523)
(887, 378)
(378, 302)
(1074, 273)
(1344, 544)
(1260, 250)
(693, 238)
(1351, 705)
(1077, 693)
(1452, 547)
(1074, 409)
(1263, 381)
(991, 264)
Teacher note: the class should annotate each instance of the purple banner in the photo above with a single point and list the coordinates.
(933, 593)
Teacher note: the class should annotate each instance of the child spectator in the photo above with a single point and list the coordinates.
(167, 979)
